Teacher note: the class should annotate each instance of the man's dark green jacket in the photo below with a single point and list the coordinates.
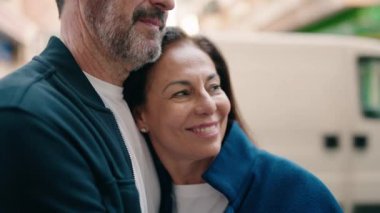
(60, 147)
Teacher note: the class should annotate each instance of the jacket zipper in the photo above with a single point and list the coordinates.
(124, 144)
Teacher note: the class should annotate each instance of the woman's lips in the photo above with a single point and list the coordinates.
(205, 130)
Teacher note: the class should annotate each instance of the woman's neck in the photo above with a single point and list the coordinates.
(187, 172)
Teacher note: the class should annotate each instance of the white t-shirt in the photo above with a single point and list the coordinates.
(145, 174)
(199, 198)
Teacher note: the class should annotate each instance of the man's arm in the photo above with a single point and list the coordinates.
(40, 170)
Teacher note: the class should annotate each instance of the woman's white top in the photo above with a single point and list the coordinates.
(200, 198)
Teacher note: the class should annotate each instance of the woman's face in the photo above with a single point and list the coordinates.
(186, 110)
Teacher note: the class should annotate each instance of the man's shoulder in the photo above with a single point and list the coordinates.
(25, 85)
(34, 82)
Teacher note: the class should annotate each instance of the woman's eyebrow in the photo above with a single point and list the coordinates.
(187, 83)
(212, 76)
(181, 82)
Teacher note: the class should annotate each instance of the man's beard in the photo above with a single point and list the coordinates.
(118, 35)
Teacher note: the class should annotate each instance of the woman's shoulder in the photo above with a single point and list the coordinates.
(282, 171)
(279, 177)
(265, 165)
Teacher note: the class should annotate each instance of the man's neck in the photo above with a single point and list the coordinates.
(89, 53)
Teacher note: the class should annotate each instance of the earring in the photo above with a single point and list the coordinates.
(143, 130)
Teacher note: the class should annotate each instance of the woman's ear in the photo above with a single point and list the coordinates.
(140, 120)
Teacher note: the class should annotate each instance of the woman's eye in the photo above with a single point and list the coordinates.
(215, 88)
(182, 93)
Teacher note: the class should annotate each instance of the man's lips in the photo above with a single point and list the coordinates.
(152, 21)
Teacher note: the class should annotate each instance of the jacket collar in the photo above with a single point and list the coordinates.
(232, 169)
(59, 58)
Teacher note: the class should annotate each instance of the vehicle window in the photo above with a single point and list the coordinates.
(369, 68)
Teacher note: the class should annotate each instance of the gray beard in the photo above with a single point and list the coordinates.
(119, 38)
(139, 49)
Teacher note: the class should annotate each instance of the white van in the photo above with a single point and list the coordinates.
(314, 99)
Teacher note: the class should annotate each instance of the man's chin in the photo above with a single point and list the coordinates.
(153, 49)
(150, 57)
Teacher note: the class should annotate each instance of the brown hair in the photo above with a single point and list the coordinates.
(60, 6)
(135, 87)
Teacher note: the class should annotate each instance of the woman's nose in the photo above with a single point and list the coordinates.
(205, 105)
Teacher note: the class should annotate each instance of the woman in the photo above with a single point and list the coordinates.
(184, 106)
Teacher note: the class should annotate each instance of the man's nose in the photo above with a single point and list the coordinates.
(163, 4)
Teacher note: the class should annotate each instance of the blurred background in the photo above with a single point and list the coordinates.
(306, 74)
(26, 26)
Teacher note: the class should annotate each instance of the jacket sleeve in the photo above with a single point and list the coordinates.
(40, 171)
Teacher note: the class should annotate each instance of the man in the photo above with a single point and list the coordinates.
(68, 142)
